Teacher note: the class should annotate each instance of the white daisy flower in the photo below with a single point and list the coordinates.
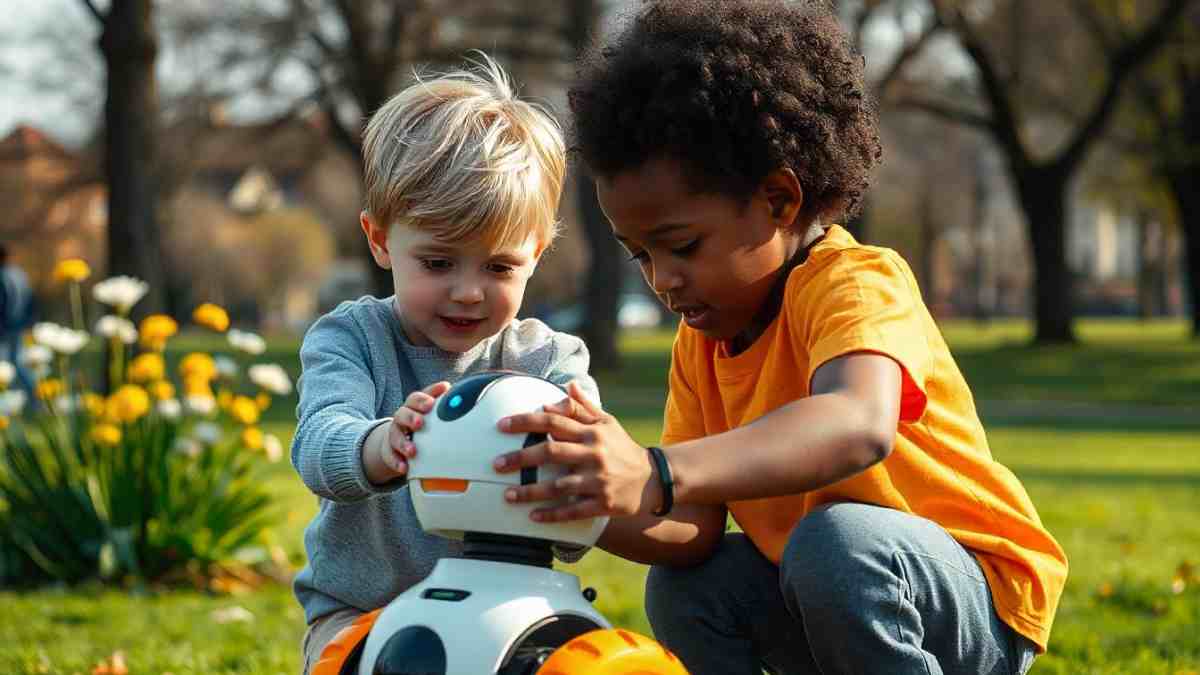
(247, 342)
(7, 372)
(273, 447)
(12, 402)
(59, 338)
(201, 405)
(66, 404)
(226, 367)
(111, 326)
(36, 356)
(271, 377)
(169, 408)
(207, 433)
(121, 293)
(188, 446)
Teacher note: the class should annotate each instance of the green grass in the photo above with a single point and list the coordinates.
(1123, 500)
(1118, 362)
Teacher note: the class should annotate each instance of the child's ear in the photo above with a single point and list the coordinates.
(376, 239)
(784, 196)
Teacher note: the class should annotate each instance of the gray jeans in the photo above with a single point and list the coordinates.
(860, 589)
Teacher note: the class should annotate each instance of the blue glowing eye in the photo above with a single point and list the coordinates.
(456, 401)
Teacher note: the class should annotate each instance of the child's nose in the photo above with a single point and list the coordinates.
(467, 293)
(664, 279)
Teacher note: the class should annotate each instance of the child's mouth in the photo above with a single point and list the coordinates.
(697, 317)
(458, 325)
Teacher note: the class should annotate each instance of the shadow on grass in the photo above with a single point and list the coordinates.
(1114, 422)
(1168, 374)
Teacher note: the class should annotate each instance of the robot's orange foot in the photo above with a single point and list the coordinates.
(612, 652)
(341, 655)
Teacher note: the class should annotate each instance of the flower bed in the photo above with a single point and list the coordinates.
(148, 476)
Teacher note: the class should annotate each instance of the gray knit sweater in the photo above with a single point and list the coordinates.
(365, 545)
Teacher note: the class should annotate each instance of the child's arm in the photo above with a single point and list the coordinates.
(846, 425)
(687, 537)
(337, 410)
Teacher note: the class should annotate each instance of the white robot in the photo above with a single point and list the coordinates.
(500, 609)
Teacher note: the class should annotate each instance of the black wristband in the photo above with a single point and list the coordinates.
(664, 479)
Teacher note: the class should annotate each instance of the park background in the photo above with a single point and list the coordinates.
(1041, 174)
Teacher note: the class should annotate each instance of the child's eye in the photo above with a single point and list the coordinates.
(436, 264)
(686, 249)
(500, 269)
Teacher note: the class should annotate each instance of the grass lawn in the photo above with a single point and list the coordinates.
(1122, 498)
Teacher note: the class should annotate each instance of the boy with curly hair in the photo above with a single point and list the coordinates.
(811, 395)
(463, 180)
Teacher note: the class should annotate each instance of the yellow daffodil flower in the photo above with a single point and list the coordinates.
(93, 403)
(106, 434)
(49, 389)
(155, 329)
(211, 316)
(3, 422)
(72, 269)
(199, 366)
(263, 400)
(147, 367)
(161, 390)
(128, 404)
(252, 438)
(244, 410)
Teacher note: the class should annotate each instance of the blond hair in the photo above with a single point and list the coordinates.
(461, 156)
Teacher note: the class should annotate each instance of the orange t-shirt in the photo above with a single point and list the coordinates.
(847, 297)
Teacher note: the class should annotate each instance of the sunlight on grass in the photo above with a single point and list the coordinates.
(1123, 502)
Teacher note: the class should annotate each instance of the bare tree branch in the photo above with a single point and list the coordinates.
(394, 37)
(91, 6)
(1096, 28)
(323, 44)
(1004, 122)
(1122, 64)
(947, 112)
(327, 100)
(906, 54)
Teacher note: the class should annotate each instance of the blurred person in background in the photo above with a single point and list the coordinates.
(16, 315)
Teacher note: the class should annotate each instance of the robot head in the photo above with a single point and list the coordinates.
(453, 485)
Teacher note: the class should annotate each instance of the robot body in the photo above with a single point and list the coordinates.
(501, 609)
(478, 616)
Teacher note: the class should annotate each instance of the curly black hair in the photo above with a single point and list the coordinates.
(733, 90)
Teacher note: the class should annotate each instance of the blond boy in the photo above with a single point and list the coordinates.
(462, 185)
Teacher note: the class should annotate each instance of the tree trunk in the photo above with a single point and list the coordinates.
(1150, 266)
(928, 247)
(603, 287)
(129, 47)
(1043, 195)
(978, 219)
(1185, 184)
(603, 290)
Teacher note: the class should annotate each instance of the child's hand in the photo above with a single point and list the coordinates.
(387, 452)
(610, 473)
